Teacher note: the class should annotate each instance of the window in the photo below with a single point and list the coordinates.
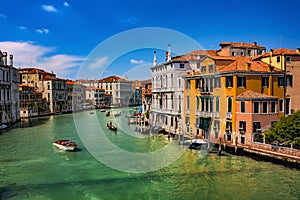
(217, 104)
(187, 84)
(229, 81)
(265, 107)
(265, 81)
(197, 103)
(243, 108)
(217, 82)
(255, 107)
(280, 81)
(198, 65)
(280, 105)
(242, 126)
(166, 122)
(229, 104)
(242, 139)
(211, 68)
(278, 59)
(287, 106)
(232, 54)
(256, 127)
(288, 59)
(229, 127)
(203, 69)
(249, 52)
(289, 80)
(197, 83)
(273, 106)
(187, 120)
(216, 128)
(241, 53)
(181, 65)
(241, 81)
(188, 103)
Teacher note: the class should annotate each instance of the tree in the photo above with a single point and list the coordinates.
(286, 131)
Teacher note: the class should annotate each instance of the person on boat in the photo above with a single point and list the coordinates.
(110, 123)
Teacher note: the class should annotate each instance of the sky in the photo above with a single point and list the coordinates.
(96, 38)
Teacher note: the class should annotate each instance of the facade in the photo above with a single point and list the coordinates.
(9, 91)
(120, 89)
(241, 49)
(167, 92)
(56, 94)
(136, 97)
(213, 93)
(31, 102)
(287, 60)
(76, 96)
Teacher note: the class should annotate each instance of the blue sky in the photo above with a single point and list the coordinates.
(58, 35)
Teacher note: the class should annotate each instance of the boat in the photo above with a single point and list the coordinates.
(198, 144)
(91, 112)
(3, 126)
(111, 127)
(66, 145)
(102, 110)
(107, 114)
(117, 114)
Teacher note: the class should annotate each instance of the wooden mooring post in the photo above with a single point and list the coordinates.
(220, 146)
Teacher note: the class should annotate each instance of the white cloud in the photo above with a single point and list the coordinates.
(133, 61)
(22, 27)
(28, 54)
(98, 63)
(66, 4)
(49, 8)
(42, 30)
(128, 21)
(2, 15)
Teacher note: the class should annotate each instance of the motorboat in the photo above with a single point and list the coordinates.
(198, 144)
(111, 127)
(66, 145)
(102, 110)
(117, 114)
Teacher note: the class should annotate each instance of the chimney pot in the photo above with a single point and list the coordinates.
(298, 50)
(11, 58)
(4, 58)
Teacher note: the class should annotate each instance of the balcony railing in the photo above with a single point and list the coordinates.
(228, 115)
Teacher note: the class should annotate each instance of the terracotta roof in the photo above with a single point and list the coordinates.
(32, 70)
(249, 94)
(280, 51)
(25, 85)
(70, 82)
(240, 64)
(111, 79)
(194, 55)
(241, 44)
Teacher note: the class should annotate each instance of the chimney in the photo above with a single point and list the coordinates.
(254, 43)
(4, 58)
(11, 60)
(154, 59)
(297, 50)
(248, 66)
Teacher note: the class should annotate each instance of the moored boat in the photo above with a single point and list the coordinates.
(66, 145)
(111, 127)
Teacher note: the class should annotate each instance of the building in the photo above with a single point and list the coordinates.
(9, 91)
(240, 49)
(56, 93)
(76, 96)
(136, 97)
(216, 95)
(32, 103)
(120, 89)
(146, 94)
(287, 60)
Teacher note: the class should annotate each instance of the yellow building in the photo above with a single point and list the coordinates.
(287, 60)
(210, 106)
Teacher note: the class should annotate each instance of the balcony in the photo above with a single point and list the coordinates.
(204, 91)
(204, 114)
(216, 114)
(228, 115)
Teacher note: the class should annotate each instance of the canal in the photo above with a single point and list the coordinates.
(31, 168)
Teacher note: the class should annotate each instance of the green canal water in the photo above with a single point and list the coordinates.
(31, 168)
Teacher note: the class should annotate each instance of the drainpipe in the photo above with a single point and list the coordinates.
(284, 85)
